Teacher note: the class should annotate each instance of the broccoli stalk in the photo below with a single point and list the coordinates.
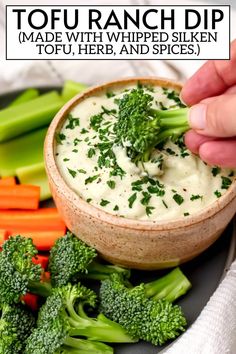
(71, 259)
(140, 127)
(84, 346)
(144, 310)
(169, 287)
(18, 274)
(63, 317)
(16, 324)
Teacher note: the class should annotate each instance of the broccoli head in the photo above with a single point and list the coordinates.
(62, 320)
(16, 324)
(155, 321)
(71, 259)
(140, 127)
(18, 274)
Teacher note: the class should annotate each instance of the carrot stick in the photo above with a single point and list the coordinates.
(19, 197)
(42, 260)
(43, 240)
(8, 181)
(46, 277)
(3, 236)
(44, 219)
(31, 300)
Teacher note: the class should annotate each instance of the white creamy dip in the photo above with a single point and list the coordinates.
(177, 184)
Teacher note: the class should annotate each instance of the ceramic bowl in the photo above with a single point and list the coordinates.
(133, 243)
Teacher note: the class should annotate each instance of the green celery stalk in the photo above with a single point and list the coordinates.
(30, 115)
(71, 88)
(23, 151)
(25, 96)
(35, 175)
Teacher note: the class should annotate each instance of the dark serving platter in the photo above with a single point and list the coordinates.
(204, 272)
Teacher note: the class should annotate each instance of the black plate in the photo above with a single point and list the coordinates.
(204, 272)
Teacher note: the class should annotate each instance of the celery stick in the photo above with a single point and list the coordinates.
(30, 115)
(36, 176)
(22, 151)
(71, 88)
(25, 96)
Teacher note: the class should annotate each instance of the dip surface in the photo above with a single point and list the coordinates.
(174, 183)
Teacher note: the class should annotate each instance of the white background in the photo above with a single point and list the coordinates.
(28, 50)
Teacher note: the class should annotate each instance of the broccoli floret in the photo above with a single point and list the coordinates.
(63, 317)
(16, 324)
(155, 321)
(140, 127)
(18, 274)
(71, 259)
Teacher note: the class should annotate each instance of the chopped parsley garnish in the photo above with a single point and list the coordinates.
(117, 171)
(110, 94)
(165, 204)
(74, 150)
(66, 159)
(95, 121)
(171, 152)
(186, 214)
(178, 198)
(116, 208)
(76, 141)
(215, 171)
(83, 131)
(196, 196)
(149, 210)
(88, 200)
(72, 122)
(149, 87)
(226, 182)
(231, 174)
(155, 190)
(60, 137)
(91, 179)
(146, 198)
(91, 152)
(163, 108)
(132, 199)
(172, 95)
(72, 172)
(104, 202)
(137, 185)
(82, 171)
(111, 184)
(217, 193)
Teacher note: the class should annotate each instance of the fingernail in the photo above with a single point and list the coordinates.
(181, 98)
(197, 116)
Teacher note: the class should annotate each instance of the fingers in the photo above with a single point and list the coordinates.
(219, 153)
(215, 117)
(193, 141)
(212, 79)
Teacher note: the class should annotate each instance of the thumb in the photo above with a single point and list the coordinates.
(215, 116)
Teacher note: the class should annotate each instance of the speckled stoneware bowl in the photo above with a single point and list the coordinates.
(132, 243)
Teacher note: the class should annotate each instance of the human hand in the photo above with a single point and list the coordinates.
(211, 92)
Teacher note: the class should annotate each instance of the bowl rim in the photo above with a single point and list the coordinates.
(76, 201)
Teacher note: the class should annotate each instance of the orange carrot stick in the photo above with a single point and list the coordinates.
(44, 219)
(19, 197)
(46, 277)
(43, 240)
(31, 300)
(3, 236)
(7, 181)
(42, 260)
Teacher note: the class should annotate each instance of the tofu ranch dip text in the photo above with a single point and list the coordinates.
(171, 183)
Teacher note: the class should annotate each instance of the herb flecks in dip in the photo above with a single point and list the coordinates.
(124, 173)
